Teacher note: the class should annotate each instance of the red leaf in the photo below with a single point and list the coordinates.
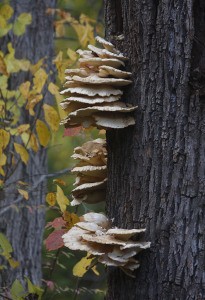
(72, 131)
(54, 241)
(57, 223)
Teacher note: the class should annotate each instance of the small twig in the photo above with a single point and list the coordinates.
(52, 270)
(76, 289)
(34, 186)
(5, 297)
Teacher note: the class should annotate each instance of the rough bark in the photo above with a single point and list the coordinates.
(157, 168)
(23, 222)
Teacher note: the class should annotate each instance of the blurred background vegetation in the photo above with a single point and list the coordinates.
(58, 264)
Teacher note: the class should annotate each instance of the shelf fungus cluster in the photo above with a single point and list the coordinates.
(91, 172)
(93, 90)
(111, 246)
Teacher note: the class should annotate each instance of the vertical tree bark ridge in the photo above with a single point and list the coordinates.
(156, 169)
(23, 223)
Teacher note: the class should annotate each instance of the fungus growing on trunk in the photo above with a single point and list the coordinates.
(91, 171)
(112, 246)
(93, 90)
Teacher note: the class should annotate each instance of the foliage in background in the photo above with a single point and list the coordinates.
(73, 30)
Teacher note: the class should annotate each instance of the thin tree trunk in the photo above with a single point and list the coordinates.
(157, 168)
(23, 222)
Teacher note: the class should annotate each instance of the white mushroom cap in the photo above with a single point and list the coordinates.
(93, 91)
(97, 218)
(80, 72)
(91, 160)
(105, 71)
(97, 61)
(124, 234)
(85, 53)
(72, 106)
(83, 188)
(73, 240)
(111, 120)
(122, 256)
(93, 79)
(112, 107)
(104, 53)
(90, 100)
(104, 259)
(103, 239)
(107, 45)
(90, 226)
(95, 171)
(136, 245)
(132, 265)
(90, 197)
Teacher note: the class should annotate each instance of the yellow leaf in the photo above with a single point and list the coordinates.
(23, 193)
(4, 138)
(71, 219)
(14, 65)
(51, 199)
(54, 90)
(43, 133)
(59, 181)
(82, 266)
(51, 117)
(6, 11)
(2, 171)
(62, 200)
(19, 26)
(33, 143)
(4, 26)
(22, 182)
(3, 159)
(59, 29)
(22, 152)
(39, 80)
(36, 67)
(33, 99)
(94, 269)
(2, 66)
(72, 54)
(13, 263)
(22, 128)
(24, 88)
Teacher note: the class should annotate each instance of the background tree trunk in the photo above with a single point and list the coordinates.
(157, 168)
(23, 222)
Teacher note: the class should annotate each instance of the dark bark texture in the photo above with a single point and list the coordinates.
(157, 168)
(23, 222)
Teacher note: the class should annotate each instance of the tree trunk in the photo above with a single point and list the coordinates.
(23, 222)
(157, 168)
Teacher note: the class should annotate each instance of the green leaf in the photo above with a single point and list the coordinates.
(17, 291)
(5, 244)
(4, 26)
(21, 22)
(34, 289)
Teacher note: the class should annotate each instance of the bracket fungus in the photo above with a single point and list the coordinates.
(112, 246)
(94, 88)
(91, 172)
